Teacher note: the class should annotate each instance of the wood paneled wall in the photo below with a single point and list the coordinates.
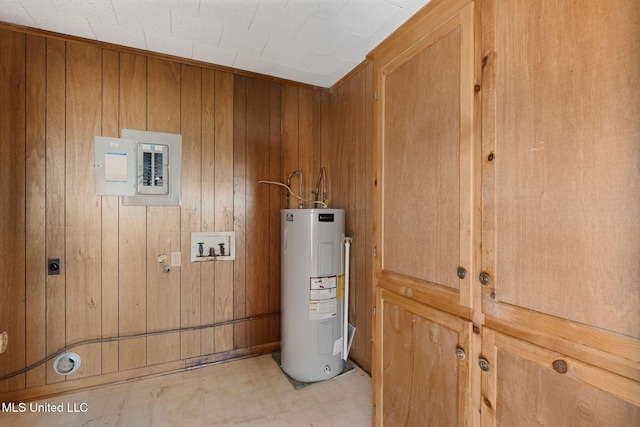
(349, 156)
(57, 95)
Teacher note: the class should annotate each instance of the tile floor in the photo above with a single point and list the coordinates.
(248, 392)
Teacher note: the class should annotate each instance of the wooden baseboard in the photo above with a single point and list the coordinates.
(88, 383)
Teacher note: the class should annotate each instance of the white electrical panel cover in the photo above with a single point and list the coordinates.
(115, 166)
(143, 167)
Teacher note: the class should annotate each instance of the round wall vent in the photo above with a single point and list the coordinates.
(67, 364)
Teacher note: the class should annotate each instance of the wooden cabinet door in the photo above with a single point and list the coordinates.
(425, 218)
(561, 175)
(527, 385)
(425, 150)
(420, 380)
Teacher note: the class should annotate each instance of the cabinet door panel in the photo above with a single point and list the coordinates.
(425, 156)
(523, 389)
(421, 166)
(567, 161)
(421, 381)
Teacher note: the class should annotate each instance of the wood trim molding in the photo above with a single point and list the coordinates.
(113, 378)
(618, 353)
(150, 54)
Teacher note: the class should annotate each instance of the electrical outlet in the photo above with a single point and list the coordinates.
(53, 266)
(176, 259)
(4, 340)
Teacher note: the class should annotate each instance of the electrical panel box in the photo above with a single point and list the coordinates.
(213, 246)
(143, 167)
(153, 168)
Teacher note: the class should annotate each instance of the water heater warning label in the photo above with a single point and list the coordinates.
(322, 298)
(323, 309)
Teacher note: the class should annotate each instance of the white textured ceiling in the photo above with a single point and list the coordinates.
(310, 41)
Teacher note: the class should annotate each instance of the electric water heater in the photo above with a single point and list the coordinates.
(312, 293)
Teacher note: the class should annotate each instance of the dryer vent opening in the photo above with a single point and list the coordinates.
(67, 364)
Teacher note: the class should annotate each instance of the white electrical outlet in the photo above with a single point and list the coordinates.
(213, 246)
(176, 259)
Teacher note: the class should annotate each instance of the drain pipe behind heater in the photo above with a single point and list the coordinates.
(345, 332)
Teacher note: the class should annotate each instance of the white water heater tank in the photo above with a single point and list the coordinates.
(312, 293)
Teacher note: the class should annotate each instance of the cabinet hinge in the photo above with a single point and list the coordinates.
(375, 251)
(374, 410)
(375, 95)
(374, 311)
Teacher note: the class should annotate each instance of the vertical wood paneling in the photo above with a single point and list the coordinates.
(83, 228)
(347, 145)
(357, 211)
(55, 198)
(350, 171)
(236, 131)
(276, 202)
(224, 210)
(35, 292)
(163, 289)
(308, 141)
(12, 202)
(110, 218)
(366, 286)
(290, 137)
(132, 224)
(341, 145)
(258, 249)
(207, 208)
(326, 136)
(163, 222)
(190, 212)
(217, 204)
(240, 206)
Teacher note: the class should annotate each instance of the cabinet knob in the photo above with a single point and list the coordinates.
(484, 278)
(560, 366)
(462, 273)
(460, 354)
(484, 364)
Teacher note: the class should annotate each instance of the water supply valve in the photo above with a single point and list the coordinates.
(213, 246)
